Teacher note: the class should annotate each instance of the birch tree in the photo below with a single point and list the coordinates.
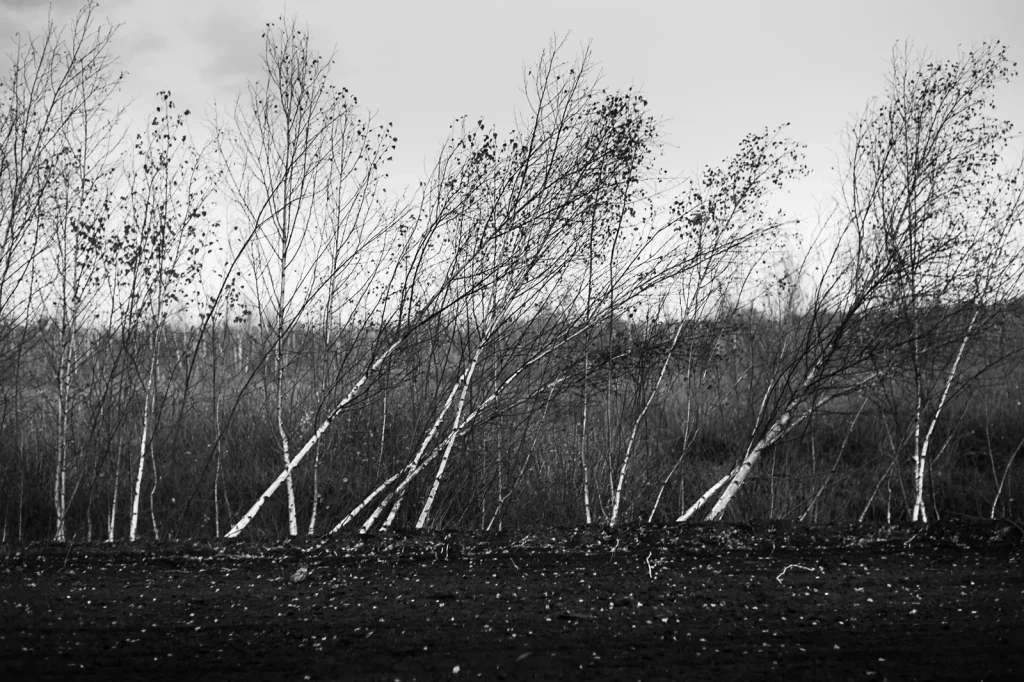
(827, 352)
(64, 150)
(928, 221)
(724, 228)
(931, 181)
(302, 167)
(158, 254)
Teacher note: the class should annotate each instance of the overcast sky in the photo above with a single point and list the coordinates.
(712, 70)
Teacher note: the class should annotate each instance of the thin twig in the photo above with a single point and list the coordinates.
(805, 568)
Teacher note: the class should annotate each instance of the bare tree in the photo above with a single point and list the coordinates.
(726, 228)
(158, 254)
(61, 141)
(927, 222)
(302, 167)
(828, 351)
(930, 186)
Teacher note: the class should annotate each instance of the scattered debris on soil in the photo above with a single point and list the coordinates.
(944, 601)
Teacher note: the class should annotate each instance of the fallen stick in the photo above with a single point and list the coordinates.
(779, 576)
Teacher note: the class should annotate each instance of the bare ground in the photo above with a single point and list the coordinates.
(670, 602)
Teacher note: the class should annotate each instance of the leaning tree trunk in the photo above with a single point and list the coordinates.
(410, 469)
(781, 425)
(696, 506)
(432, 495)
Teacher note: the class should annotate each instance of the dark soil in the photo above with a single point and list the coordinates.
(673, 602)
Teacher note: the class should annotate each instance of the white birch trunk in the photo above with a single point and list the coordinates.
(216, 498)
(696, 506)
(786, 421)
(112, 521)
(399, 493)
(366, 501)
(399, 498)
(583, 443)
(389, 499)
(217, 445)
(293, 520)
(316, 491)
(920, 512)
(394, 498)
(152, 494)
(410, 469)
(777, 429)
(59, 488)
(133, 527)
(432, 495)
(383, 432)
(424, 516)
(61, 472)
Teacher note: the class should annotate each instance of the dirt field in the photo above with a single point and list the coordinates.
(696, 602)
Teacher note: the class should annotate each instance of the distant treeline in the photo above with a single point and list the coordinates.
(214, 439)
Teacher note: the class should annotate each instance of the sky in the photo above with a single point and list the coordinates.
(712, 71)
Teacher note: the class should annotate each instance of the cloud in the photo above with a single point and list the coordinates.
(232, 45)
(61, 10)
(38, 4)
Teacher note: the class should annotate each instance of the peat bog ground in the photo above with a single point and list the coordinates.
(944, 601)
